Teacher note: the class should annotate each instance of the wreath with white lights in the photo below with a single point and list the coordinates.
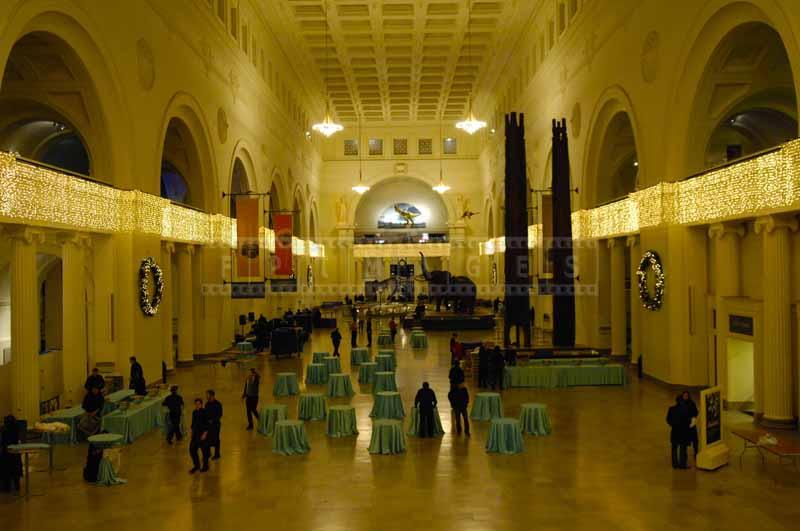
(649, 261)
(149, 305)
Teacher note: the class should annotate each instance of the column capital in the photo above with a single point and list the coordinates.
(185, 248)
(632, 240)
(24, 233)
(614, 242)
(78, 239)
(168, 247)
(720, 230)
(768, 224)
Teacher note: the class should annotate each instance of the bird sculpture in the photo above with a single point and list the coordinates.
(407, 215)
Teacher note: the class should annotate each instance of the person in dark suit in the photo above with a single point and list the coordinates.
(459, 400)
(497, 366)
(214, 418)
(336, 339)
(174, 405)
(456, 375)
(483, 367)
(691, 410)
(369, 331)
(678, 419)
(90, 423)
(137, 381)
(199, 442)
(426, 402)
(95, 380)
(353, 334)
(250, 396)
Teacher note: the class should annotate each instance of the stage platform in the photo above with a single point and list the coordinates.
(453, 322)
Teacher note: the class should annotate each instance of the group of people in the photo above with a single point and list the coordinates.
(492, 364)
(682, 418)
(356, 327)
(205, 426)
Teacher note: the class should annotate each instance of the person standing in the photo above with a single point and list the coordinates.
(483, 367)
(94, 380)
(691, 410)
(511, 355)
(426, 402)
(137, 381)
(353, 334)
(336, 339)
(453, 343)
(174, 405)
(497, 368)
(369, 331)
(250, 396)
(214, 418)
(360, 325)
(456, 375)
(393, 328)
(678, 419)
(199, 442)
(163, 372)
(459, 400)
(10, 464)
(93, 403)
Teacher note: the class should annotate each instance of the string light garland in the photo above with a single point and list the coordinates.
(150, 305)
(651, 260)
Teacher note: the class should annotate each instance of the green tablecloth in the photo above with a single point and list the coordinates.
(366, 372)
(505, 437)
(333, 364)
(245, 346)
(553, 376)
(113, 399)
(70, 417)
(387, 437)
(106, 475)
(387, 405)
(340, 385)
(487, 406)
(269, 415)
(316, 373)
(384, 381)
(290, 438)
(414, 423)
(319, 357)
(105, 440)
(311, 407)
(137, 419)
(534, 420)
(342, 421)
(566, 362)
(285, 384)
(359, 356)
(385, 363)
(387, 352)
(385, 339)
(419, 340)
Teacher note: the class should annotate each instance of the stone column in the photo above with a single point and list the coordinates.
(726, 238)
(619, 320)
(185, 304)
(636, 305)
(778, 407)
(25, 385)
(74, 355)
(166, 305)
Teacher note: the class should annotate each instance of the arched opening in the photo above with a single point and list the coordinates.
(745, 102)
(618, 164)
(239, 184)
(181, 167)
(49, 108)
(274, 202)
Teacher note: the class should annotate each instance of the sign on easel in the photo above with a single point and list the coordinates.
(713, 450)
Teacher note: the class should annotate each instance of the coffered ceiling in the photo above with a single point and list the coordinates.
(401, 60)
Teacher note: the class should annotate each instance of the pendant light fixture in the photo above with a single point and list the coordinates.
(327, 127)
(470, 125)
(360, 188)
(441, 187)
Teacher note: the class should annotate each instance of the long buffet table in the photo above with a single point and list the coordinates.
(550, 376)
(137, 420)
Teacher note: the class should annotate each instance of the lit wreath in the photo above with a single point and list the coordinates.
(651, 260)
(150, 306)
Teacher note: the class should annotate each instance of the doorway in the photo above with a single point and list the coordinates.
(741, 374)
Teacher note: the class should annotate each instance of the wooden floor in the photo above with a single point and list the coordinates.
(606, 466)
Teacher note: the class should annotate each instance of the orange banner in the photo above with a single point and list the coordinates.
(248, 255)
(282, 224)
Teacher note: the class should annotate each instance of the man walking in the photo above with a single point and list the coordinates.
(426, 402)
(483, 367)
(199, 442)
(214, 418)
(250, 396)
(336, 339)
(353, 334)
(174, 405)
(459, 400)
(137, 381)
(678, 419)
(369, 331)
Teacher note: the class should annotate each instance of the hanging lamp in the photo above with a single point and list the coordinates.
(327, 127)
(441, 187)
(360, 188)
(470, 125)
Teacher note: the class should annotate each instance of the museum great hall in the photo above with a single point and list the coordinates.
(568, 211)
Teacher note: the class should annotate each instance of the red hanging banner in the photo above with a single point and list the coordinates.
(248, 261)
(282, 225)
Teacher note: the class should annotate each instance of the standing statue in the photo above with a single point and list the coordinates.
(341, 210)
(458, 291)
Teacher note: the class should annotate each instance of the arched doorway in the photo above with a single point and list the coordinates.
(239, 184)
(181, 166)
(746, 99)
(617, 164)
(49, 107)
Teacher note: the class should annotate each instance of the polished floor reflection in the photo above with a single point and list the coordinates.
(606, 466)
